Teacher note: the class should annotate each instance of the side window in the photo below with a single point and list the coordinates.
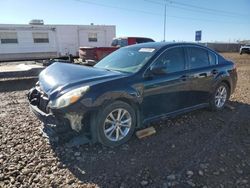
(212, 58)
(114, 42)
(172, 60)
(198, 57)
(123, 42)
(143, 40)
(40, 37)
(92, 37)
(8, 38)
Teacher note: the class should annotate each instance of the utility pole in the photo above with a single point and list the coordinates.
(164, 2)
(165, 19)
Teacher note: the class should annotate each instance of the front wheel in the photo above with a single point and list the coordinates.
(115, 124)
(219, 97)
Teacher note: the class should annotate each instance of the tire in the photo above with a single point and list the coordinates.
(109, 129)
(218, 100)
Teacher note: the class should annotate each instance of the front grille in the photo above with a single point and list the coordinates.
(39, 98)
(43, 102)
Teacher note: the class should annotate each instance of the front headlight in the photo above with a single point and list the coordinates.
(68, 98)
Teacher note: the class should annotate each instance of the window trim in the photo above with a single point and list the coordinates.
(92, 39)
(34, 39)
(189, 59)
(185, 46)
(172, 47)
(11, 43)
(216, 58)
(207, 50)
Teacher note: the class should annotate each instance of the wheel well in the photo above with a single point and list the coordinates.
(92, 115)
(228, 84)
(135, 107)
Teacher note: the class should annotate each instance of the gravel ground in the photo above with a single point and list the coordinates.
(200, 149)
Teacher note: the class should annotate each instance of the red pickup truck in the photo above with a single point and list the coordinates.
(95, 54)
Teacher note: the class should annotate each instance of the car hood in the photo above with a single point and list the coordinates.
(62, 76)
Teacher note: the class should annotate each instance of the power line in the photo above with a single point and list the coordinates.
(200, 11)
(207, 9)
(186, 7)
(117, 7)
(210, 10)
(195, 9)
(154, 13)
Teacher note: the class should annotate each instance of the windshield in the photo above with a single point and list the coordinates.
(128, 60)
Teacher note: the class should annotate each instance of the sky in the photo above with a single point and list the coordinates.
(219, 20)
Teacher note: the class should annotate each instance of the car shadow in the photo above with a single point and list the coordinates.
(179, 144)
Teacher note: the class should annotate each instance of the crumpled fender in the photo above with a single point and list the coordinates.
(133, 94)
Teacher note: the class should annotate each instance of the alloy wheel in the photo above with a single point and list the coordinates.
(117, 124)
(220, 96)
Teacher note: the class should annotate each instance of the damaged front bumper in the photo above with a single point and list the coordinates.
(61, 124)
(45, 118)
(54, 129)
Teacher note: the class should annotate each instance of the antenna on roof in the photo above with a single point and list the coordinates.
(36, 22)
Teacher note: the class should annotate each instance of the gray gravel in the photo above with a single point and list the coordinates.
(199, 149)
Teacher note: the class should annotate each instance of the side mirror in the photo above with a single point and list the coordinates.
(158, 70)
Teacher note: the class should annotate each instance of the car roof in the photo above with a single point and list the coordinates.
(125, 37)
(160, 45)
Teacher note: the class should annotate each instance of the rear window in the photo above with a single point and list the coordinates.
(119, 42)
(143, 40)
(198, 57)
(212, 58)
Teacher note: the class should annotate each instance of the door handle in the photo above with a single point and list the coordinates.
(215, 72)
(184, 77)
(203, 74)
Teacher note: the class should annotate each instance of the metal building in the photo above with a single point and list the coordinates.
(39, 41)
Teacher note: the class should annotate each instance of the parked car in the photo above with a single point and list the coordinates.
(91, 55)
(245, 49)
(132, 87)
(126, 41)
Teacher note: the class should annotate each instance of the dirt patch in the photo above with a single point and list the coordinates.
(199, 149)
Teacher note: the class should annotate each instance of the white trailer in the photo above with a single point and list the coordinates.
(35, 41)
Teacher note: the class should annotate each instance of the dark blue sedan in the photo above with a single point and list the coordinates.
(131, 87)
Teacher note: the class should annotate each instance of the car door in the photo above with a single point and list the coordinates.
(166, 91)
(202, 70)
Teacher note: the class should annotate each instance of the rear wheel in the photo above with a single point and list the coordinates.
(115, 124)
(219, 97)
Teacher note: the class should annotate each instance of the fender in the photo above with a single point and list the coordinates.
(222, 77)
(132, 94)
